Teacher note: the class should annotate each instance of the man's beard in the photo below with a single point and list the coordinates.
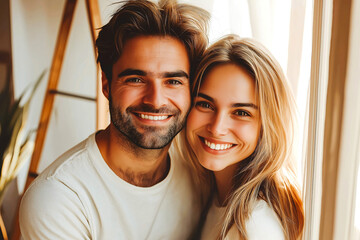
(153, 137)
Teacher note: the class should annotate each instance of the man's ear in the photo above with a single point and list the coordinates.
(105, 85)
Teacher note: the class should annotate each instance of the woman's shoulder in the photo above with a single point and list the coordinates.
(263, 223)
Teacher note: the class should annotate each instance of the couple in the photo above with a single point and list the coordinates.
(228, 174)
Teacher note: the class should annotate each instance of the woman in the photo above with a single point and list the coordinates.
(240, 128)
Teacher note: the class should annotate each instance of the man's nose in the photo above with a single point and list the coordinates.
(155, 96)
(218, 126)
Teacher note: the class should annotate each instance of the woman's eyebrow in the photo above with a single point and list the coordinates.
(232, 105)
(245, 105)
(206, 97)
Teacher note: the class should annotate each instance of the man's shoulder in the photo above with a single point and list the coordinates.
(45, 194)
(65, 175)
(55, 195)
(48, 207)
(70, 160)
(64, 166)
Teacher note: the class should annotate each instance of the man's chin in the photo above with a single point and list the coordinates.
(153, 143)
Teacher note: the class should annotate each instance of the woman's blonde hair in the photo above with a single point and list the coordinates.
(268, 173)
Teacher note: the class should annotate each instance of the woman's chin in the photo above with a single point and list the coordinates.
(211, 165)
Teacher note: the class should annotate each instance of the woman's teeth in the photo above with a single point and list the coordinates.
(217, 146)
(154, 118)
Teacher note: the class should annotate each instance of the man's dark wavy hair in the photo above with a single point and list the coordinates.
(145, 18)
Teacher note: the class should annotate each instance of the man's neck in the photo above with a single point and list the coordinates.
(137, 166)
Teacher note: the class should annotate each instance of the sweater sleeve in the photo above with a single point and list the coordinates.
(264, 224)
(51, 210)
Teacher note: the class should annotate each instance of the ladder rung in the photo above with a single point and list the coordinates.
(72, 95)
(33, 175)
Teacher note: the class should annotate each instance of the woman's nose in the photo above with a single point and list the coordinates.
(218, 126)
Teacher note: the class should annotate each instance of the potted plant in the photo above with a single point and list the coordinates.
(16, 146)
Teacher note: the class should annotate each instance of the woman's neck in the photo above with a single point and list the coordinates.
(224, 183)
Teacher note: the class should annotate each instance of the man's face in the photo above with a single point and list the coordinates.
(149, 96)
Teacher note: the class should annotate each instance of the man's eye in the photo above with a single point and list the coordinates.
(134, 80)
(174, 82)
(202, 104)
(242, 113)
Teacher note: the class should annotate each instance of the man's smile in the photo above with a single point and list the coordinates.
(157, 117)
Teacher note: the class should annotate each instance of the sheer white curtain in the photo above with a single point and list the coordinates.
(347, 194)
(284, 27)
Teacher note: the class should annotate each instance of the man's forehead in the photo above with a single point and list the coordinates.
(153, 55)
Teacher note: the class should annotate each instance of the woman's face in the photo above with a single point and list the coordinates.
(223, 126)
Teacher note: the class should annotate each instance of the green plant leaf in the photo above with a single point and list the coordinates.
(10, 155)
(15, 147)
(25, 153)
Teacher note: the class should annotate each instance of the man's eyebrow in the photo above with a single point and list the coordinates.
(179, 73)
(232, 105)
(130, 71)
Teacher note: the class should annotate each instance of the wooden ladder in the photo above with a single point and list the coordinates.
(93, 14)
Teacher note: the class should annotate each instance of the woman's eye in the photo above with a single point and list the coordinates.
(134, 80)
(203, 105)
(242, 113)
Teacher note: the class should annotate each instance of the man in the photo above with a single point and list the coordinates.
(121, 183)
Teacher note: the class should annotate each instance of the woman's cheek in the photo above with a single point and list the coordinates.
(196, 119)
(247, 131)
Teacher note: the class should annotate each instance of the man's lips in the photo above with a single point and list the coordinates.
(216, 145)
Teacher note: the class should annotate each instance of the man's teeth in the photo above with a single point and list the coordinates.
(154, 118)
(217, 146)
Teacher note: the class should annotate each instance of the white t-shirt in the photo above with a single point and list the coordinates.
(263, 224)
(80, 197)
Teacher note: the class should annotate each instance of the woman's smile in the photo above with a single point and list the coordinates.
(212, 145)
